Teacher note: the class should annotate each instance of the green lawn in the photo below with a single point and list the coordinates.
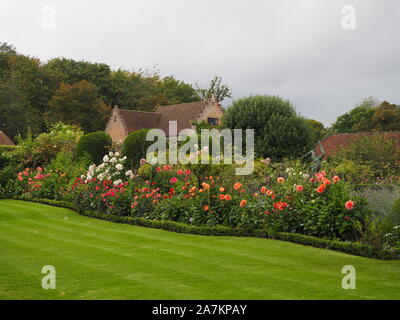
(100, 260)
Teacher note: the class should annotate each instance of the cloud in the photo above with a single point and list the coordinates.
(295, 49)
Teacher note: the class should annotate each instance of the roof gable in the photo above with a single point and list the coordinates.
(5, 140)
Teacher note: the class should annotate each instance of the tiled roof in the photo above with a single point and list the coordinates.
(184, 114)
(4, 140)
(137, 120)
(336, 142)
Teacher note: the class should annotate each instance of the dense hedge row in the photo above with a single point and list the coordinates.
(354, 248)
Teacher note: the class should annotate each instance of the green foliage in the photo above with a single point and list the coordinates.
(318, 131)
(216, 89)
(17, 113)
(175, 92)
(369, 116)
(145, 91)
(77, 92)
(392, 238)
(39, 151)
(7, 48)
(358, 119)
(79, 104)
(279, 131)
(95, 145)
(135, 147)
(8, 181)
(373, 158)
(386, 117)
(374, 231)
(72, 72)
(374, 147)
(395, 211)
(5, 155)
(67, 163)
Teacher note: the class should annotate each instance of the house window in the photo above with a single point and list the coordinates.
(212, 121)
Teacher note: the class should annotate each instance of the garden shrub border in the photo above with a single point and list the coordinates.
(354, 248)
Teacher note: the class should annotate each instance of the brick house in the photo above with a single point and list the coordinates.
(4, 140)
(336, 142)
(122, 122)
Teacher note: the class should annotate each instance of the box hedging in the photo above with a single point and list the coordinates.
(354, 248)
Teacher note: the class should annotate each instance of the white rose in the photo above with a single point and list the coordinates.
(128, 173)
(119, 167)
(106, 159)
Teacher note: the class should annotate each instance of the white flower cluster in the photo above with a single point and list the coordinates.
(112, 168)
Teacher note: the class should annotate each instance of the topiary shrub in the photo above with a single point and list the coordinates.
(135, 147)
(95, 144)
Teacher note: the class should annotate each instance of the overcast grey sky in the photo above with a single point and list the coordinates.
(297, 49)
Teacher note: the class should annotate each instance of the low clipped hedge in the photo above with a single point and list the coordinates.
(354, 248)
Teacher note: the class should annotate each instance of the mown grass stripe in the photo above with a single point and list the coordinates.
(99, 259)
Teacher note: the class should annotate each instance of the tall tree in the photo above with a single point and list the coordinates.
(216, 89)
(318, 131)
(175, 91)
(79, 104)
(75, 71)
(386, 117)
(358, 119)
(16, 112)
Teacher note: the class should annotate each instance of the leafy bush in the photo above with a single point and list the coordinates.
(373, 158)
(392, 238)
(279, 131)
(374, 231)
(395, 211)
(5, 155)
(42, 183)
(7, 181)
(135, 147)
(95, 144)
(39, 151)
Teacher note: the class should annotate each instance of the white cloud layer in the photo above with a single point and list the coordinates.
(295, 49)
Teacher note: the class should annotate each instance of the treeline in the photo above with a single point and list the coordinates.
(370, 115)
(34, 93)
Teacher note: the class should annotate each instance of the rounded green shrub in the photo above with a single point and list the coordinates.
(135, 147)
(280, 132)
(95, 144)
